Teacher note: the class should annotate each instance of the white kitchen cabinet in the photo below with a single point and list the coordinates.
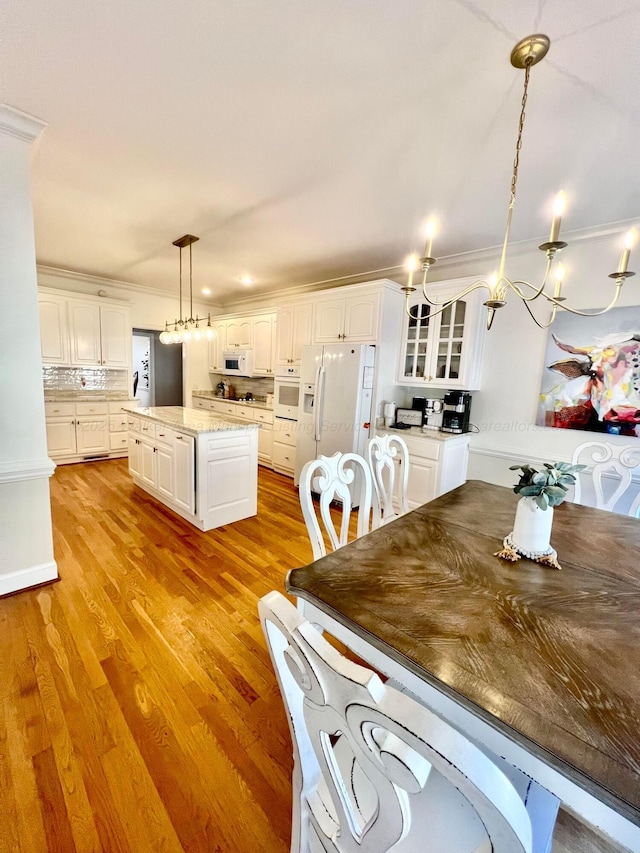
(217, 345)
(92, 435)
(86, 428)
(294, 330)
(443, 350)
(263, 344)
(61, 436)
(54, 329)
(352, 318)
(436, 464)
(135, 455)
(240, 333)
(163, 461)
(261, 416)
(184, 493)
(283, 447)
(100, 335)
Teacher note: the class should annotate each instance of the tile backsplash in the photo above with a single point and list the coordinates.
(259, 386)
(85, 379)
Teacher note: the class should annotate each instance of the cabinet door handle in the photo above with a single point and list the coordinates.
(155, 449)
(161, 435)
(178, 438)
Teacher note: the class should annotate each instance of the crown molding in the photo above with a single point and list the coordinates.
(21, 125)
(100, 282)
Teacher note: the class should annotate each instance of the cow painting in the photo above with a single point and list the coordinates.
(600, 386)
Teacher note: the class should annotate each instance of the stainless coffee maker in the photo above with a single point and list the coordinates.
(456, 412)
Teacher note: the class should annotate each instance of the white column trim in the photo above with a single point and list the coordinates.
(28, 469)
(28, 577)
(23, 126)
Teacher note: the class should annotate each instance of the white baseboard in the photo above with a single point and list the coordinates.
(25, 578)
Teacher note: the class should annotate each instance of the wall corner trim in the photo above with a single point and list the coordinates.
(29, 469)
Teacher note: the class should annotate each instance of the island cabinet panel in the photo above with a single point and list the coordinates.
(184, 486)
(228, 476)
(203, 467)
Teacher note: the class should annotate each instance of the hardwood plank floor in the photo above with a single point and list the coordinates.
(138, 707)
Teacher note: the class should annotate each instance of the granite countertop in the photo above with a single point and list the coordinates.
(211, 395)
(418, 432)
(193, 421)
(86, 396)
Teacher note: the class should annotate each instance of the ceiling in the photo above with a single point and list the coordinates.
(307, 141)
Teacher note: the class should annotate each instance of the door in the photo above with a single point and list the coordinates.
(84, 333)
(135, 460)
(284, 335)
(115, 333)
(239, 333)
(263, 345)
(329, 325)
(422, 481)
(184, 483)
(217, 345)
(341, 415)
(61, 437)
(148, 463)
(361, 318)
(165, 471)
(92, 435)
(54, 329)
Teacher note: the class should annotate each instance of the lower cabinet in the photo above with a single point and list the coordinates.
(164, 460)
(86, 430)
(284, 446)
(437, 465)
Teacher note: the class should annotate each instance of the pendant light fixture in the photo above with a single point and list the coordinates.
(527, 53)
(187, 328)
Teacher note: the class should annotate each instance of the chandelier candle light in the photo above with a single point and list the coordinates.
(527, 53)
(187, 328)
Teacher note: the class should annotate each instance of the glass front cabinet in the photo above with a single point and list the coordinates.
(443, 349)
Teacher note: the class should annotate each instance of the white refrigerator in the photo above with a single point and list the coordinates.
(336, 388)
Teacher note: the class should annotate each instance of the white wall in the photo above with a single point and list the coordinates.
(505, 408)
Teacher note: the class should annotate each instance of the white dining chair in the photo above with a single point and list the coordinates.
(608, 482)
(345, 480)
(388, 455)
(374, 770)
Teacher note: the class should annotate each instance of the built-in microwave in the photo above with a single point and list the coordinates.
(238, 362)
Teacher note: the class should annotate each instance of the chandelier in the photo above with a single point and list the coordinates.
(527, 53)
(187, 328)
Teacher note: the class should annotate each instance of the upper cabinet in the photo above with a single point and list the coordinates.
(54, 329)
(443, 349)
(263, 345)
(240, 333)
(100, 335)
(293, 331)
(84, 332)
(217, 344)
(351, 318)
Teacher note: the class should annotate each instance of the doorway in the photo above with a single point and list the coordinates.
(157, 370)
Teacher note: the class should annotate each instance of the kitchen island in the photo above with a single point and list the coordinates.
(202, 466)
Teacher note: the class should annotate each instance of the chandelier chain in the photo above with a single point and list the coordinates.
(516, 161)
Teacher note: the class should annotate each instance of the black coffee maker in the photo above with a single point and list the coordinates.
(456, 412)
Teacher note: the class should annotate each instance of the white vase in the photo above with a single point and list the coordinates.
(532, 528)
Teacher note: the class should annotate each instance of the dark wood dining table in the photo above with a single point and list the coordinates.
(543, 666)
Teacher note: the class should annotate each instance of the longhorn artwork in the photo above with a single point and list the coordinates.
(591, 377)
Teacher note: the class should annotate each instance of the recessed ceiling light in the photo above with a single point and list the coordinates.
(206, 291)
(246, 279)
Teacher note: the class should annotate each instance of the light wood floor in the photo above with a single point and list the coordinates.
(138, 706)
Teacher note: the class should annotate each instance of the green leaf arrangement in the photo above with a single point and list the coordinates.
(549, 486)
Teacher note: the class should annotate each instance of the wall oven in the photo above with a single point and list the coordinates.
(286, 396)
